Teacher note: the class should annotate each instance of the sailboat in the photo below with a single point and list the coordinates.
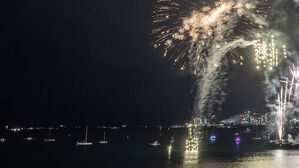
(155, 143)
(256, 136)
(29, 139)
(50, 139)
(2, 140)
(85, 141)
(104, 140)
(171, 140)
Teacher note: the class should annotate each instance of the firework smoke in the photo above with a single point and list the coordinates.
(281, 110)
(294, 88)
(267, 54)
(201, 35)
(214, 79)
(287, 97)
(271, 53)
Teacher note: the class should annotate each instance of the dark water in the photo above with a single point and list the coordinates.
(136, 151)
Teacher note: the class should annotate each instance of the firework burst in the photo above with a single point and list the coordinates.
(267, 53)
(201, 37)
(294, 82)
(288, 95)
(281, 110)
(186, 31)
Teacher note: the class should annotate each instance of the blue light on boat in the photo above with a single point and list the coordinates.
(213, 138)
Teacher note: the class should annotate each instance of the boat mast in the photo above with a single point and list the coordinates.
(86, 133)
(104, 135)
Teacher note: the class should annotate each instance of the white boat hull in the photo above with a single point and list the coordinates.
(2, 140)
(50, 140)
(29, 139)
(84, 143)
(156, 143)
(257, 138)
(103, 142)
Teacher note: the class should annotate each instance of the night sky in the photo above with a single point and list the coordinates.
(92, 62)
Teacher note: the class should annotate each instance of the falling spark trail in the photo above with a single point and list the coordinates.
(267, 53)
(288, 95)
(199, 37)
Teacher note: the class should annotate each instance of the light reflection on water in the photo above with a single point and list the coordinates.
(269, 159)
(262, 159)
(137, 153)
(279, 158)
(190, 159)
(287, 158)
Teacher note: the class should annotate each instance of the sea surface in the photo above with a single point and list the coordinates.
(129, 148)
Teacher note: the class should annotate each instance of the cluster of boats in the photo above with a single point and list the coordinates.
(84, 142)
(50, 139)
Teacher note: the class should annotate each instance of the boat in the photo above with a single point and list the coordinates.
(104, 140)
(85, 142)
(28, 139)
(238, 140)
(50, 139)
(171, 140)
(212, 138)
(155, 143)
(282, 144)
(2, 140)
(256, 138)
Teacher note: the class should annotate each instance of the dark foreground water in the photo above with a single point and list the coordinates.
(136, 152)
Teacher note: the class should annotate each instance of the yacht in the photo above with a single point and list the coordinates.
(50, 139)
(171, 140)
(2, 140)
(29, 139)
(85, 142)
(155, 143)
(256, 138)
(104, 140)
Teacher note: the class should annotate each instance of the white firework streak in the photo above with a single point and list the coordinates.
(281, 109)
(286, 98)
(294, 88)
(204, 38)
(211, 83)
